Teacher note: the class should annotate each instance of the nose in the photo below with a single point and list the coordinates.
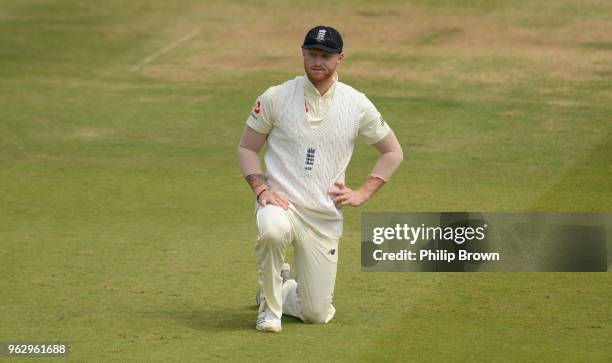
(317, 61)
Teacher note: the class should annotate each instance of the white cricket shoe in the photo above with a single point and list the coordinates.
(266, 320)
(285, 274)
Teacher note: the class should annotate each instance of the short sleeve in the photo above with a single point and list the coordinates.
(261, 118)
(372, 126)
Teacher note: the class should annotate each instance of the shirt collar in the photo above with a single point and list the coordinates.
(311, 90)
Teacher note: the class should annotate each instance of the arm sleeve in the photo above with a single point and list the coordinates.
(261, 118)
(372, 126)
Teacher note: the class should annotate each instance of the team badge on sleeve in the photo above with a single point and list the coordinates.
(256, 110)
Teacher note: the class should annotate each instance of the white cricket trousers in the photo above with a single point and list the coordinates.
(316, 261)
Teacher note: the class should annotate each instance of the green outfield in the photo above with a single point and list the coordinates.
(127, 230)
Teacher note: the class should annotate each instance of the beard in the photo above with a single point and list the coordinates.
(319, 75)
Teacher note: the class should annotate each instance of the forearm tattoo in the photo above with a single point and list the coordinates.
(256, 181)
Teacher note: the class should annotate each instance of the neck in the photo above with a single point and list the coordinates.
(323, 85)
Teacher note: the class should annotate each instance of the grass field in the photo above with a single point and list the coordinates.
(127, 230)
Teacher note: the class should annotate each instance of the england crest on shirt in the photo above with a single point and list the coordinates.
(310, 157)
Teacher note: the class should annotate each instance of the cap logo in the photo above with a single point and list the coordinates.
(321, 35)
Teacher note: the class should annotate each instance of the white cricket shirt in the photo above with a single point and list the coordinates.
(311, 138)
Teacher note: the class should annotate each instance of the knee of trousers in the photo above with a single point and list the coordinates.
(315, 316)
(274, 231)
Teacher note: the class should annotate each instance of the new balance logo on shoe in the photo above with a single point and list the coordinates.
(332, 251)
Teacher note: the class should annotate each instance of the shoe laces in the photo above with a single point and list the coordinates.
(265, 312)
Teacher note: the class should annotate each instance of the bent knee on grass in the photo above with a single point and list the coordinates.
(316, 316)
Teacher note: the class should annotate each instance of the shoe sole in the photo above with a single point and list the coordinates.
(269, 329)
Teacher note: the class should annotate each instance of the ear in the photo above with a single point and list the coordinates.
(340, 58)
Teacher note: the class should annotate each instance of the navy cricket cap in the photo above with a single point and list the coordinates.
(325, 38)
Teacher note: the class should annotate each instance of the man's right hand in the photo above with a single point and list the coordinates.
(274, 198)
